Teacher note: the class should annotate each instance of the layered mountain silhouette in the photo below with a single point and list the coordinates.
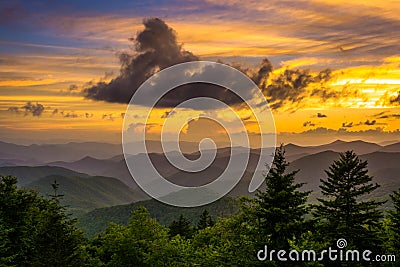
(35, 154)
(95, 175)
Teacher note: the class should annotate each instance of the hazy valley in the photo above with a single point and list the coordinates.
(95, 181)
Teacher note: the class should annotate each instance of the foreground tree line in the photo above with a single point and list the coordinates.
(35, 231)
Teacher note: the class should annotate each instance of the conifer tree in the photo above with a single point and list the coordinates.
(205, 220)
(56, 197)
(280, 209)
(344, 212)
(181, 227)
(394, 216)
(35, 231)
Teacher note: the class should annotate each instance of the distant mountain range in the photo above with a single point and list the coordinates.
(98, 159)
(294, 152)
(29, 174)
(95, 175)
(37, 154)
(18, 155)
(383, 166)
(311, 160)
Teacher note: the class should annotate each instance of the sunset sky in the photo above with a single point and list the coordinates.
(52, 53)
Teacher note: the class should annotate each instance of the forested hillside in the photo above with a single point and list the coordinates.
(35, 231)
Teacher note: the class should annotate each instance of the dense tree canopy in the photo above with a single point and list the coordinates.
(36, 231)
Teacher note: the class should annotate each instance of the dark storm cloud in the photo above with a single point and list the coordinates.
(291, 87)
(34, 109)
(261, 76)
(108, 74)
(156, 48)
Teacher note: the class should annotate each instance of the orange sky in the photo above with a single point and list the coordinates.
(49, 63)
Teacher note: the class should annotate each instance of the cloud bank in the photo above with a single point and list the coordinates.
(156, 47)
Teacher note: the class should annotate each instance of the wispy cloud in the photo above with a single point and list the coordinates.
(35, 110)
